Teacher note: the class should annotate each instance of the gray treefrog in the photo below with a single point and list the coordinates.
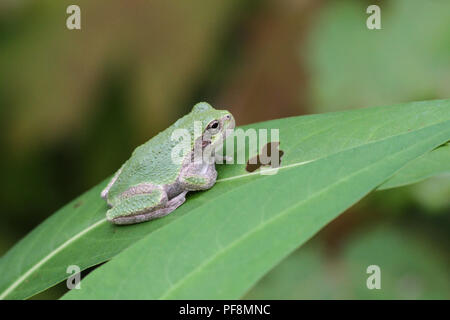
(151, 184)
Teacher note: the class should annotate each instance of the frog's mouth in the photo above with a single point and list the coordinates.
(205, 143)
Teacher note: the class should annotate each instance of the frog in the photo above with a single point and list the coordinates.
(150, 184)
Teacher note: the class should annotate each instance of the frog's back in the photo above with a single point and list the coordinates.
(150, 163)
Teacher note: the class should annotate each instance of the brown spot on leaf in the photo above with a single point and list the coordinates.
(265, 157)
(76, 205)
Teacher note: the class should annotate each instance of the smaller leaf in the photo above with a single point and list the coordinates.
(430, 164)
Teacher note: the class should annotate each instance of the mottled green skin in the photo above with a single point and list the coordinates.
(151, 162)
(151, 166)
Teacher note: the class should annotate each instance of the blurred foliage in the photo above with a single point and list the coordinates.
(407, 60)
(74, 104)
(411, 268)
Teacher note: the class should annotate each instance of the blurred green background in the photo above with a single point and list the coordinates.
(75, 103)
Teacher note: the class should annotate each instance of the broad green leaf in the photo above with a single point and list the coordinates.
(430, 164)
(79, 235)
(247, 224)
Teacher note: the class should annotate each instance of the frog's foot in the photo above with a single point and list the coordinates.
(137, 207)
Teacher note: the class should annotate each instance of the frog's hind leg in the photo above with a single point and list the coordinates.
(171, 205)
(104, 193)
(137, 207)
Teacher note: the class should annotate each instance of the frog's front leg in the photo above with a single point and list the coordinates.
(198, 177)
(138, 204)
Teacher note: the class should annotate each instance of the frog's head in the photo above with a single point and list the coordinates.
(216, 124)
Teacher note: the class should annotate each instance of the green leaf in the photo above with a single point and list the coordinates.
(79, 235)
(247, 224)
(430, 164)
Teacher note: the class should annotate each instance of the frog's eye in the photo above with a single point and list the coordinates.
(213, 126)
